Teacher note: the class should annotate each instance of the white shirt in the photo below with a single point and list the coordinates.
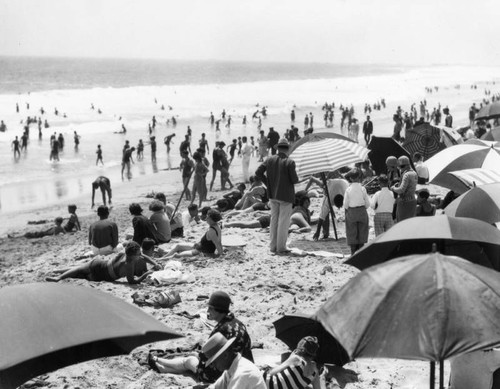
(383, 201)
(187, 219)
(242, 374)
(356, 196)
(422, 170)
(246, 151)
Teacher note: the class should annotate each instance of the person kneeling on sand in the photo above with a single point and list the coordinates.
(131, 264)
(209, 243)
(299, 367)
(227, 325)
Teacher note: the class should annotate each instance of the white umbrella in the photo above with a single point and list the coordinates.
(469, 155)
(477, 177)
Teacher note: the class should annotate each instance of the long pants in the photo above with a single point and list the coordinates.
(280, 222)
(245, 163)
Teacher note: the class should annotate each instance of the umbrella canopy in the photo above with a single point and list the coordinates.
(492, 135)
(489, 111)
(476, 177)
(469, 155)
(424, 139)
(474, 240)
(47, 326)
(292, 328)
(482, 203)
(425, 307)
(449, 136)
(381, 148)
(324, 151)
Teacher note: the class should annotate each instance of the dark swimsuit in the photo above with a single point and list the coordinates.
(206, 246)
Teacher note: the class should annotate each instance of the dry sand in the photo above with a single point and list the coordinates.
(263, 287)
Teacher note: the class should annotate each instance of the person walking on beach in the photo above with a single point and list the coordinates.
(24, 141)
(272, 140)
(126, 160)
(216, 163)
(185, 146)
(152, 142)
(76, 139)
(15, 147)
(246, 153)
(186, 167)
(199, 179)
(54, 153)
(168, 140)
(104, 185)
(383, 204)
(99, 155)
(204, 143)
(406, 201)
(279, 172)
(263, 146)
(367, 130)
(140, 150)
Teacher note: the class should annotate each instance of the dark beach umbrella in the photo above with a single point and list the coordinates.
(292, 328)
(489, 111)
(482, 203)
(47, 326)
(469, 155)
(472, 239)
(381, 148)
(425, 307)
(492, 135)
(424, 139)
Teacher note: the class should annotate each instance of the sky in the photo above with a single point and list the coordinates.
(419, 32)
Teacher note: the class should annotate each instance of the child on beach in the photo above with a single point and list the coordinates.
(199, 179)
(56, 229)
(383, 204)
(73, 222)
(130, 264)
(99, 155)
(209, 244)
(356, 201)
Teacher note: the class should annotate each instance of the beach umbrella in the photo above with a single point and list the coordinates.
(292, 328)
(381, 148)
(472, 239)
(46, 326)
(475, 177)
(425, 307)
(482, 203)
(469, 155)
(424, 139)
(489, 111)
(324, 152)
(450, 136)
(492, 135)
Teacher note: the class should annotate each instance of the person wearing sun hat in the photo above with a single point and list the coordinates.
(406, 203)
(279, 173)
(238, 372)
(231, 328)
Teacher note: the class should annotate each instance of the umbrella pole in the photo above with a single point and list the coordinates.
(441, 374)
(433, 375)
(182, 195)
(323, 177)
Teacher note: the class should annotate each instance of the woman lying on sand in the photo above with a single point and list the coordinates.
(209, 243)
(130, 264)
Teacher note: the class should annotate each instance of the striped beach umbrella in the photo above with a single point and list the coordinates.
(482, 203)
(476, 177)
(469, 155)
(424, 139)
(324, 152)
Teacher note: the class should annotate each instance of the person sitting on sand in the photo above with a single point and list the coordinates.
(230, 199)
(257, 193)
(160, 221)
(209, 243)
(143, 228)
(227, 325)
(299, 367)
(103, 234)
(424, 208)
(104, 185)
(149, 248)
(190, 217)
(73, 223)
(301, 216)
(129, 264)
(54, 230)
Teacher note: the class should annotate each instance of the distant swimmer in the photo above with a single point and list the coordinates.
(76, 138)
(54, 152)
(104, 185)
(152, 142)
(140, 150)
(168, 140)
(15, 147)
(99, 155)
(123, 130)
(24, 141)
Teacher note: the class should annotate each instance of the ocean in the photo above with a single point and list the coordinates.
(130, 92)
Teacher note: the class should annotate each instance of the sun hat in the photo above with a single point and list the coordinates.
(308, 345)
(282, 144)
(220, 301)
(403, 161)
(391, 161)
(215, 347)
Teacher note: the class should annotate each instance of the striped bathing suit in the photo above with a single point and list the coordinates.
(292, 377)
